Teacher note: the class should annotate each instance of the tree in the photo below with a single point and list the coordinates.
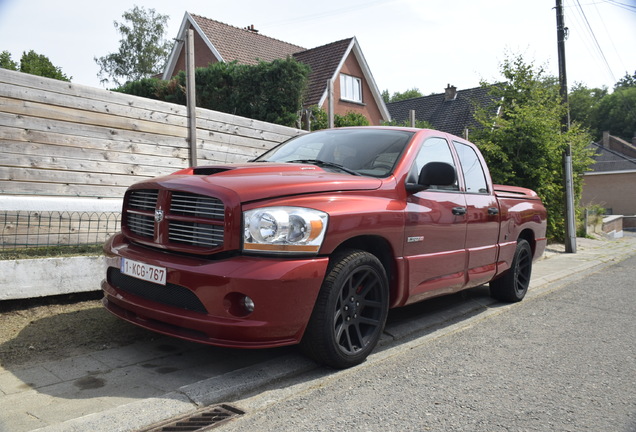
(38, 64)
(524, 144)
(269, 91)
(6, 62)
(601, 111)
(34, 64)
(320, 119)
(143, 49)
(616, 113)
(584, 103)
(627, 81)
(399, 96)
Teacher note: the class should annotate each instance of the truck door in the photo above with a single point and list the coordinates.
(482, 217)
(435, 230)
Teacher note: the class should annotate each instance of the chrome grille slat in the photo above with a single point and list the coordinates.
(141, 225)
(143, 199)
(196, 234)
(188, 204)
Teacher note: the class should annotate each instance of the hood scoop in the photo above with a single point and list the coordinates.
(207, 171)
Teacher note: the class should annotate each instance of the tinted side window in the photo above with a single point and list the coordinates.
(433, 150)
(472, 169)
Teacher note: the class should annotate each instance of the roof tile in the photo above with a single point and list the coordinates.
(608, 160)
(242, 45)
(323, 61)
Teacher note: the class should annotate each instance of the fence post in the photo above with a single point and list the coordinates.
(330, 103)
(191, 97)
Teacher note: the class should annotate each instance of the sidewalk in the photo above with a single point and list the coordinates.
(128, 388)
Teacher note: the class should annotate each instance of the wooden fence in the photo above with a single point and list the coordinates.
(64, 139)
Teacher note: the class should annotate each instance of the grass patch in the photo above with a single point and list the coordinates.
(51, 252)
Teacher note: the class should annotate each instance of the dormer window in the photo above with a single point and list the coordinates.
(350, 88)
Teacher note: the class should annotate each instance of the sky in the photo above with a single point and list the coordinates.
(423, 44)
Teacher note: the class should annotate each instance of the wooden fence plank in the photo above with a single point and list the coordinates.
(33, 124)
(95, 159)
(36, 109)
(27, 159)
(60, 189)
(91, 105)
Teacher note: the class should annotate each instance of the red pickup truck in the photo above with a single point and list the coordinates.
(314, 241)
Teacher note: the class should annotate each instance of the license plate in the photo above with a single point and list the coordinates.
(143, 271)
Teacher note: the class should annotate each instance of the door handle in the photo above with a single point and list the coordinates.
(493, 211)
(459, 211)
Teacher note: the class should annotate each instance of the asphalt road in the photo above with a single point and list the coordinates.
(563, 361)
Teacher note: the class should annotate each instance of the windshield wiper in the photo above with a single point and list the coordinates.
(321, 163)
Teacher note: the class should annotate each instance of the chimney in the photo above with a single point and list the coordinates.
(606, 139)
(450, 93)
(251, 28)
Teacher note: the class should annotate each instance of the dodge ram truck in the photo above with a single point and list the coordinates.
(314, 241)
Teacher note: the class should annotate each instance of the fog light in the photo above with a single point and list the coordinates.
(248, 304)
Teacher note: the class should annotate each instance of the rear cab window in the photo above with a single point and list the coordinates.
(474, 176)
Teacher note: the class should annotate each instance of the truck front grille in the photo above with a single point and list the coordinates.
(175, 218)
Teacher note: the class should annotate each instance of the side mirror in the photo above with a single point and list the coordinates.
(433, 174)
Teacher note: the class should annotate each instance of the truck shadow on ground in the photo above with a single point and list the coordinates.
(89, 354)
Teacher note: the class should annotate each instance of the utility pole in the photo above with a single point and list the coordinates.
(570, 226)
(563, 80)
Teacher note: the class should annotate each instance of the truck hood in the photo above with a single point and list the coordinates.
(255, 181)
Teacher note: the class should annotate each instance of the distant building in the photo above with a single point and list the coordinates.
(612, 181)
(452, 111)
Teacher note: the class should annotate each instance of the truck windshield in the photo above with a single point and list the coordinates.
(369, 152)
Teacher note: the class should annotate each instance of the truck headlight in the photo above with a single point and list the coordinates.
(284, 229)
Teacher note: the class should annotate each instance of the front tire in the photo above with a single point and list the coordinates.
(350, 312)
(513, 285)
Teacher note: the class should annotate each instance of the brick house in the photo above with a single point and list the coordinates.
(341, 62)
(612, 181)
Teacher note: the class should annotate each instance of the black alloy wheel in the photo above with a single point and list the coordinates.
(350, 312)
(513, 285)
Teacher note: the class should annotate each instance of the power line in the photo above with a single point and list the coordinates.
(596, 44)
(600, 50)
(600, 17)
(621, 5)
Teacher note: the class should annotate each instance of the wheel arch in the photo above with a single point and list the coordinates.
(528, 235)
(380, 248)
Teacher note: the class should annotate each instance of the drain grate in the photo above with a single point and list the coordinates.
(199, 421)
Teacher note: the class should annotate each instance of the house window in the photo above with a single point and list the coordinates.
(350, 88)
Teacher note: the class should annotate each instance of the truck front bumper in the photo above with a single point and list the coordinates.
(204, 300)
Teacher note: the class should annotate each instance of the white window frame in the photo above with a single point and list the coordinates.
(350, 88)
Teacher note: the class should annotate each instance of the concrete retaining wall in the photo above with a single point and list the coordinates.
(30, 278)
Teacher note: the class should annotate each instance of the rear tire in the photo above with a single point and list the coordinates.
(350, 312)
(513, 285)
